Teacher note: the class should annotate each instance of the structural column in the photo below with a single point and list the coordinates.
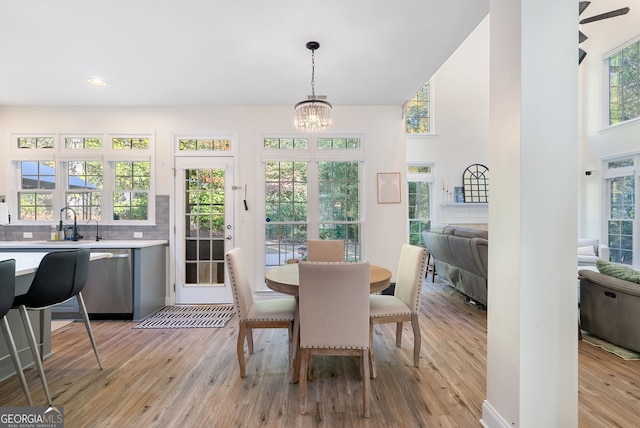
(532, 360)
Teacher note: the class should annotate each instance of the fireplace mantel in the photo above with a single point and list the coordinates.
(466, 213)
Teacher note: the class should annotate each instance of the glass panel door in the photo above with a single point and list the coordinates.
(204, 229)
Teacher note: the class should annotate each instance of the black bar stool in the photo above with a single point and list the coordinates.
(7, 293)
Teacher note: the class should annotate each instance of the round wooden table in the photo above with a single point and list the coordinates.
(285, 279)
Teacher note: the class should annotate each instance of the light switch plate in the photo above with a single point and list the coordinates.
(137, 234)
(28, 235)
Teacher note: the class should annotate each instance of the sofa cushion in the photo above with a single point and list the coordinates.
(618, 270)
(588, 250)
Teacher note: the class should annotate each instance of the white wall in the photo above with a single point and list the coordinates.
(461, 116)
(385, 225)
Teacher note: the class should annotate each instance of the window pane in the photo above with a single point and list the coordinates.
(36, 142)
(204, 145)
(417, 112)
(624, 84)
(621, 219)
(338, 194)
(284, 242)
(35, 206)
(286, 143)
(83, 143)
(38, 175)
(130, 143)
(286, 191)
(130, 206)
(85, 175)
(338, 143)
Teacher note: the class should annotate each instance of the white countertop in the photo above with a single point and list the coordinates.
(83, 243)
(27, 263)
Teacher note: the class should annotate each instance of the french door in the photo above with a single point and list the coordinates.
(204, 229)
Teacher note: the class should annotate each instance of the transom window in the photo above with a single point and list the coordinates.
(85, 174)
(624, 84)
(417, 112)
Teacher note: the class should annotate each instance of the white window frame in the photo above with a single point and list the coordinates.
(61, 155)
(432, 121)
(420, 178)
(606, 100)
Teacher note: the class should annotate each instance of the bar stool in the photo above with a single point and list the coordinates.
(7, 293)
(60, 276)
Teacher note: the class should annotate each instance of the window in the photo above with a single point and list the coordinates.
(103, 177)
(312, 190)
(622, 223)
(624, 84)
(417, 112)
(419, 180)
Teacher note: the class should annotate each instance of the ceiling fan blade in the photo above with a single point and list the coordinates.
(581, 37)
(582, 6)
(581, 55)
(611, 14)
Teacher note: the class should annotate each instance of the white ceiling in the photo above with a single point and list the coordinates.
(235, 52)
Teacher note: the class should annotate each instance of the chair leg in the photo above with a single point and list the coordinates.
(34, 351)
(304, 359)
(87, 325)
(374, 371)
(367, 383)
(250, 339)
(242, 334)
(16, 360)
(399, 334)
(417, 339)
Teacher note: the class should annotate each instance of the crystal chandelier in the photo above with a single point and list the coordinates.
(314, 113)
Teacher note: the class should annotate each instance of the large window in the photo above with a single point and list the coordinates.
(624, 84)
(312, 190)
(103, 177)
(419, 181)
(417, 112)
(622, 222)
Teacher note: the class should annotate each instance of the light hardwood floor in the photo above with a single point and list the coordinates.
(189, 378)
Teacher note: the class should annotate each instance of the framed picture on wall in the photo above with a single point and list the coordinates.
(458, 194)
(388, 187)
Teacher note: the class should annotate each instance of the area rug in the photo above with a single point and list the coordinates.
(609, 347)
(192, 316)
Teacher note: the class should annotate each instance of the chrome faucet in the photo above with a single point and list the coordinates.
(76, 235)
(98, 237)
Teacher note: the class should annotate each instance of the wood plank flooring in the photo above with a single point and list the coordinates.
(190, 378)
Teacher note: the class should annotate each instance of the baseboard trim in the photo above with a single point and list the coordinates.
(491, 418)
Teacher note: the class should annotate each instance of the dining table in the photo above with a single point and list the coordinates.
(285, 279)
(26, 266)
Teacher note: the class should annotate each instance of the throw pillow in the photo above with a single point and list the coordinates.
(617, 270)
(589, 250)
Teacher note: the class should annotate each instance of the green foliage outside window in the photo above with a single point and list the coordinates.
(621, 219)
(418, 112)
(624, 84)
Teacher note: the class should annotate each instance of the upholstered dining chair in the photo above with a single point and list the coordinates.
(325, 250)
(271, 313)
(404, 305)
(334, 317)
(61, 276)
(7, 293)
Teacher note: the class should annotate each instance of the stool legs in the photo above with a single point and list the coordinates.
(16, 360)
(85, 317)
(34, 351)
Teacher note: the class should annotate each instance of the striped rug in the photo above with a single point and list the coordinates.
(191, 316)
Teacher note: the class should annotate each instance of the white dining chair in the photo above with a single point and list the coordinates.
(271, 313)
(334, 317)
(404, 305)
(325, 250)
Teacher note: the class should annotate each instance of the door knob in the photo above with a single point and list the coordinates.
(229, 237)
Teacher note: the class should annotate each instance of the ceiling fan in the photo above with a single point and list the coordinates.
(581, 36)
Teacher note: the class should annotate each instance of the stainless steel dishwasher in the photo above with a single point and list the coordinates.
(109, 290)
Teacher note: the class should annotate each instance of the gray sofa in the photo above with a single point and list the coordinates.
(461, 256)
(610, 308)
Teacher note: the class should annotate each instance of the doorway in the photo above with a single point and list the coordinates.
(204, 229)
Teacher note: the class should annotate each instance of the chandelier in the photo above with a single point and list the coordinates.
(314, 113)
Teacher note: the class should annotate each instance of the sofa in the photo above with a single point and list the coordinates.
(610, 304)
(461, 256)
(590, 250)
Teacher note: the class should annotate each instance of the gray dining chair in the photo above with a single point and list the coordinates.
(325, 250)
(61, 276)
(334, 318)
(404, 305)
(271, 313)
(7, 294)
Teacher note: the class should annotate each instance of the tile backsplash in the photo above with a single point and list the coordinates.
(39, 233)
